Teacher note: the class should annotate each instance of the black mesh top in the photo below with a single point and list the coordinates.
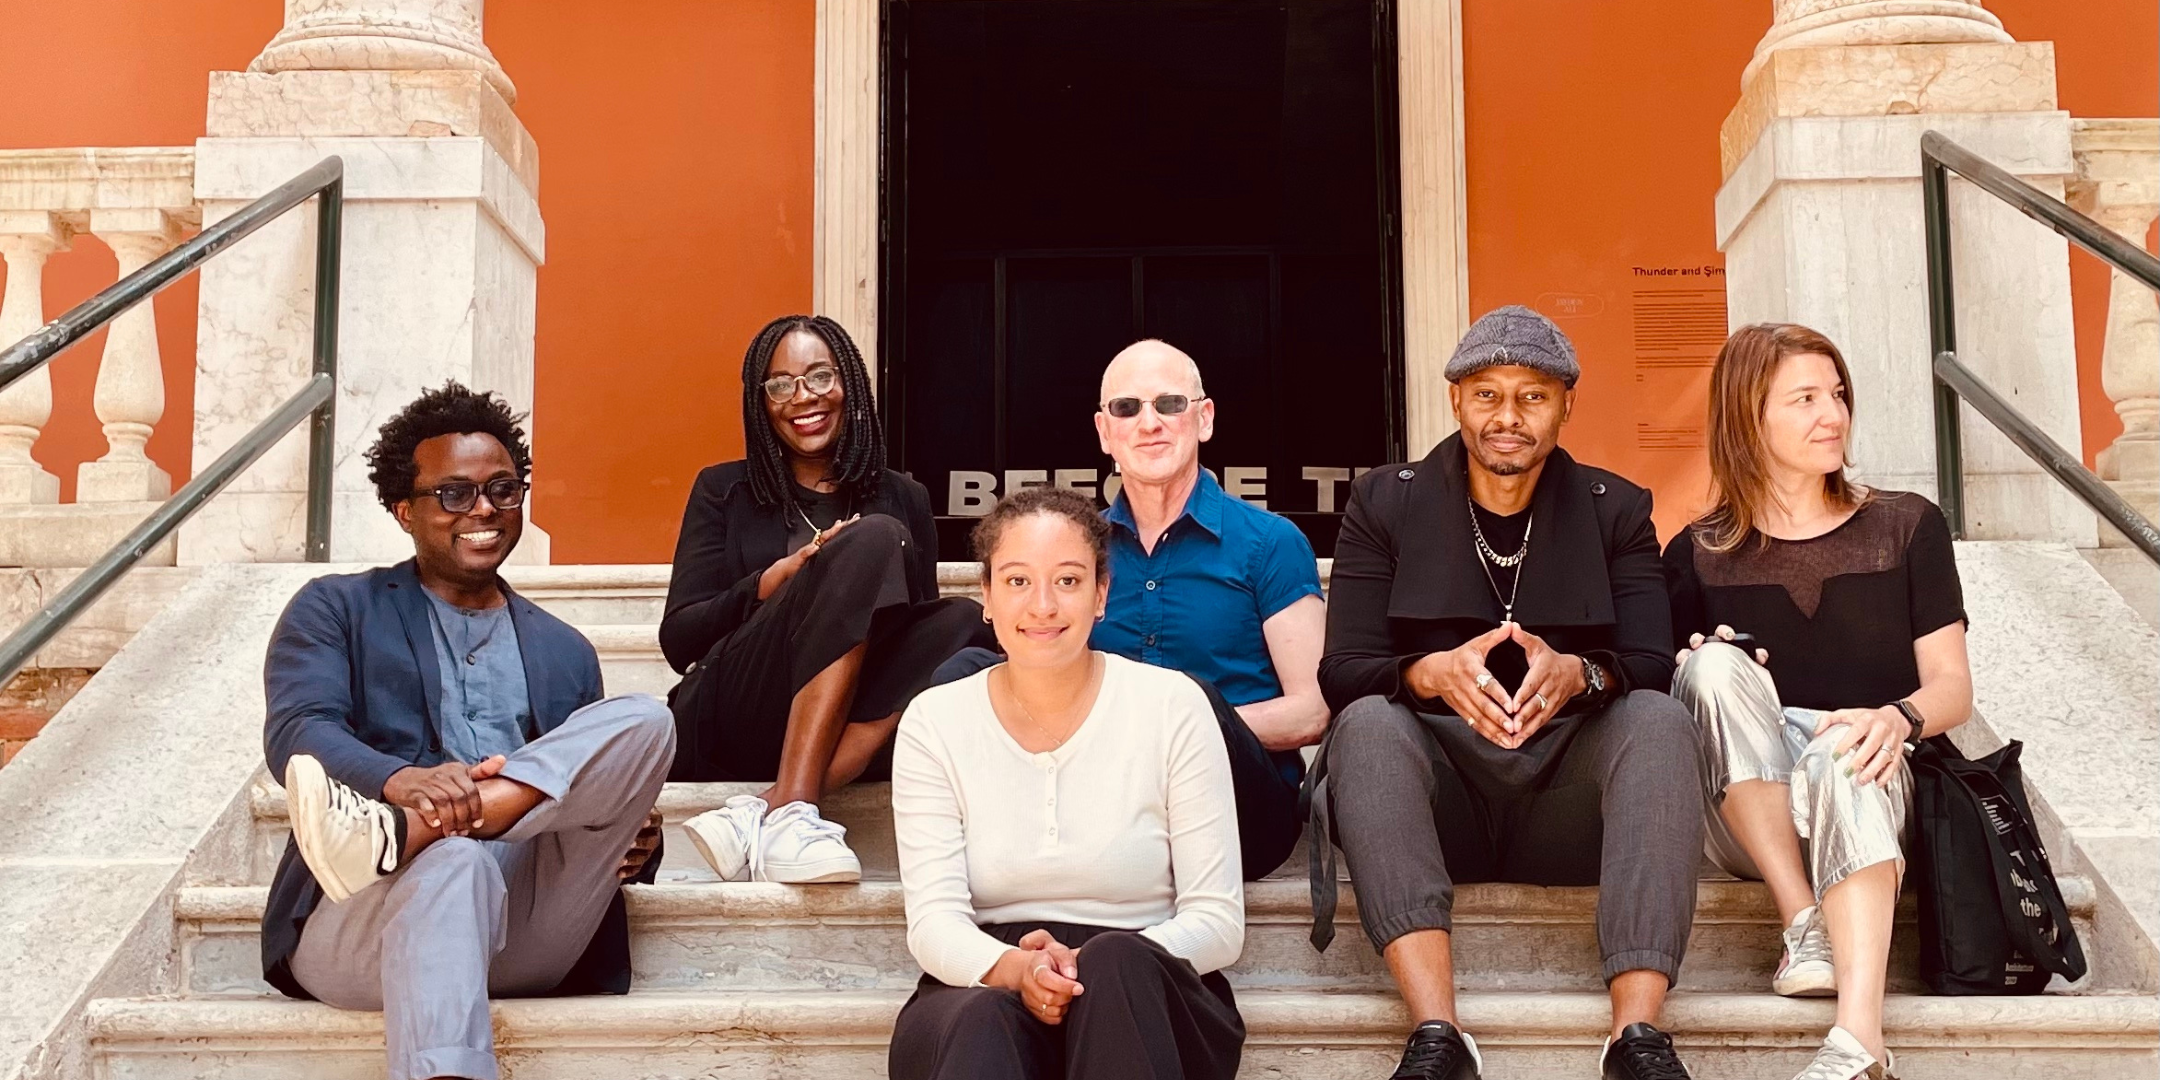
(1838, 612)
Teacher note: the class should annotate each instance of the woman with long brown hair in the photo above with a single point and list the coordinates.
(1822, 635)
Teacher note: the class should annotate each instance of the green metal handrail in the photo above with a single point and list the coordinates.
(316, 401)
(1939, 157)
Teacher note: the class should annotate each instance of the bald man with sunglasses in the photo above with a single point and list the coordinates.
(1212, 586)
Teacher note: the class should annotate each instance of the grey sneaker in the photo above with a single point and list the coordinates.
(1843, 1058)
(1805, 970)
(730, 837)
(348, 840)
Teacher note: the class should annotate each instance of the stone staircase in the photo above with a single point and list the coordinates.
(740, 980)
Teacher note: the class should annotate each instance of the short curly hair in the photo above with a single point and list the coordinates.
(449, 410)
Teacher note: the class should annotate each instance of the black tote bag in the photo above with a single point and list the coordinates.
(1992, 918)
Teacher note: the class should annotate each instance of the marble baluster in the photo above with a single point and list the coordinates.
(130, 395)
(27, 238)
(2118, 185)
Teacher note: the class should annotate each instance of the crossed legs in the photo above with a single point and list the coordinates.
(1785, 812)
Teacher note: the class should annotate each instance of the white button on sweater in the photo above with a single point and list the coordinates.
(1144, 837)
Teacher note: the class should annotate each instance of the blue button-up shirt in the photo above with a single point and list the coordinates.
(1221, 569)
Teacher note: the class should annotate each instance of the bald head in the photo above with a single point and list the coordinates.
(1154, 363)
(1152, 447)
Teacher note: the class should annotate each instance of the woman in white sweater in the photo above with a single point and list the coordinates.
(1068, 840)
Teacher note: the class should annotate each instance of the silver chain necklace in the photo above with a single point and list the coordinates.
(1486, 554)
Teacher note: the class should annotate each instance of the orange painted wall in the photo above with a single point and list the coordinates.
(676, 150)
(1569, 192)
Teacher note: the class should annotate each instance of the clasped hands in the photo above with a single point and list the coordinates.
(1044, 972)
(447, 797)
(1458, 677)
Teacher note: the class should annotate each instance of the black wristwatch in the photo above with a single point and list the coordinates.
(1912, 716)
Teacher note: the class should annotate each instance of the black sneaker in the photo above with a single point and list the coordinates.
(1439, 1051)
(1643, 1052)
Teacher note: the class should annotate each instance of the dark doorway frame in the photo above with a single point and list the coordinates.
(892, 226)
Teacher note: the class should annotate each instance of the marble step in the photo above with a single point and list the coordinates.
(744, 936)
(1290, 1034)
(628, 593)
(630, 660)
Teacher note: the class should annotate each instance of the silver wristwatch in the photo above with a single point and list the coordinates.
(1593, 678)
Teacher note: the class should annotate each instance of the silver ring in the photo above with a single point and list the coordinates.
(1541, 702)
(1484, 679)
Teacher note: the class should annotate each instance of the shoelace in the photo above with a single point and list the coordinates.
(1834, 1062)
(1652, 1058)
(1433, 1056)
(1813, 942)
(359, 811)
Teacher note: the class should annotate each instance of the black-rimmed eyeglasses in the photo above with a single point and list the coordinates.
(460, 496)
(1125, 408)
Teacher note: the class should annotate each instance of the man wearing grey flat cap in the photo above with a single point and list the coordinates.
(1498, 641)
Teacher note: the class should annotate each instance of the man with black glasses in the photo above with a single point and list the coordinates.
(465, 806)
(1498, 642)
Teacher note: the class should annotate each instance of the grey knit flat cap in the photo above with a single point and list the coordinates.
(1515, 335)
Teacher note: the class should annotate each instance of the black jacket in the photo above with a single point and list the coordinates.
(1407, 581)
(728, 540)
(351, 679)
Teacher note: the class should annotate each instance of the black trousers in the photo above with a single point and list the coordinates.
(731, 708)
(1267, 803)
(1611, 798)
(1146, 1015)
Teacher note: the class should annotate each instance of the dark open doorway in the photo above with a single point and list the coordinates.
(1062, 177)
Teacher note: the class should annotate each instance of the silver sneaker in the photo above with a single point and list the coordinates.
(730, 837)
(1805, 970)
(348, 840)
(1843, 1058)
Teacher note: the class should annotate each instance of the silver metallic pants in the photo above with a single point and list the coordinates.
(1844, 825)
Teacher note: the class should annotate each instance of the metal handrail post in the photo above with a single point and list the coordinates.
(1942, 338)
(322, 426)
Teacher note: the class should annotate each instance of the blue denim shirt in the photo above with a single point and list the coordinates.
(1196, 604)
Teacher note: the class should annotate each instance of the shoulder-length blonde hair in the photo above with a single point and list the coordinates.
(1739, 459)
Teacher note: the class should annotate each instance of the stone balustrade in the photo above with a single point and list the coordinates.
(2118, 184)
(139, 202)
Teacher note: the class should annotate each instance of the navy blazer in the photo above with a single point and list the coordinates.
(351, 679)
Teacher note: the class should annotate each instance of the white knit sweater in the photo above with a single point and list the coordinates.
(1131, 824)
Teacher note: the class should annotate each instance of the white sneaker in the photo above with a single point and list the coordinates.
(801, 848)
(728, 837)
(1843, 1058)
(348, 840)
(1805, 969)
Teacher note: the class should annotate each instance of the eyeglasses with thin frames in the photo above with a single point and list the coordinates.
(1125, 408)
(781, 389)
(460, 496)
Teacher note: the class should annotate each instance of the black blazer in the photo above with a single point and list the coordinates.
(1407, 581)
(351, 679)
(727, 541)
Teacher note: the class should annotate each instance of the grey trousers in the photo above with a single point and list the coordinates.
(509, 917)
(1844, 825)
(1422, 801)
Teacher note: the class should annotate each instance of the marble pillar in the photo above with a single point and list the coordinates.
(2118, 185)
(442, 243)
(1820, 221)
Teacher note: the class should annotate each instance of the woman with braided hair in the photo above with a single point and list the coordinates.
(803, 610)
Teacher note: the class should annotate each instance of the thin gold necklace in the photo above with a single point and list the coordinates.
(1094, 668)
